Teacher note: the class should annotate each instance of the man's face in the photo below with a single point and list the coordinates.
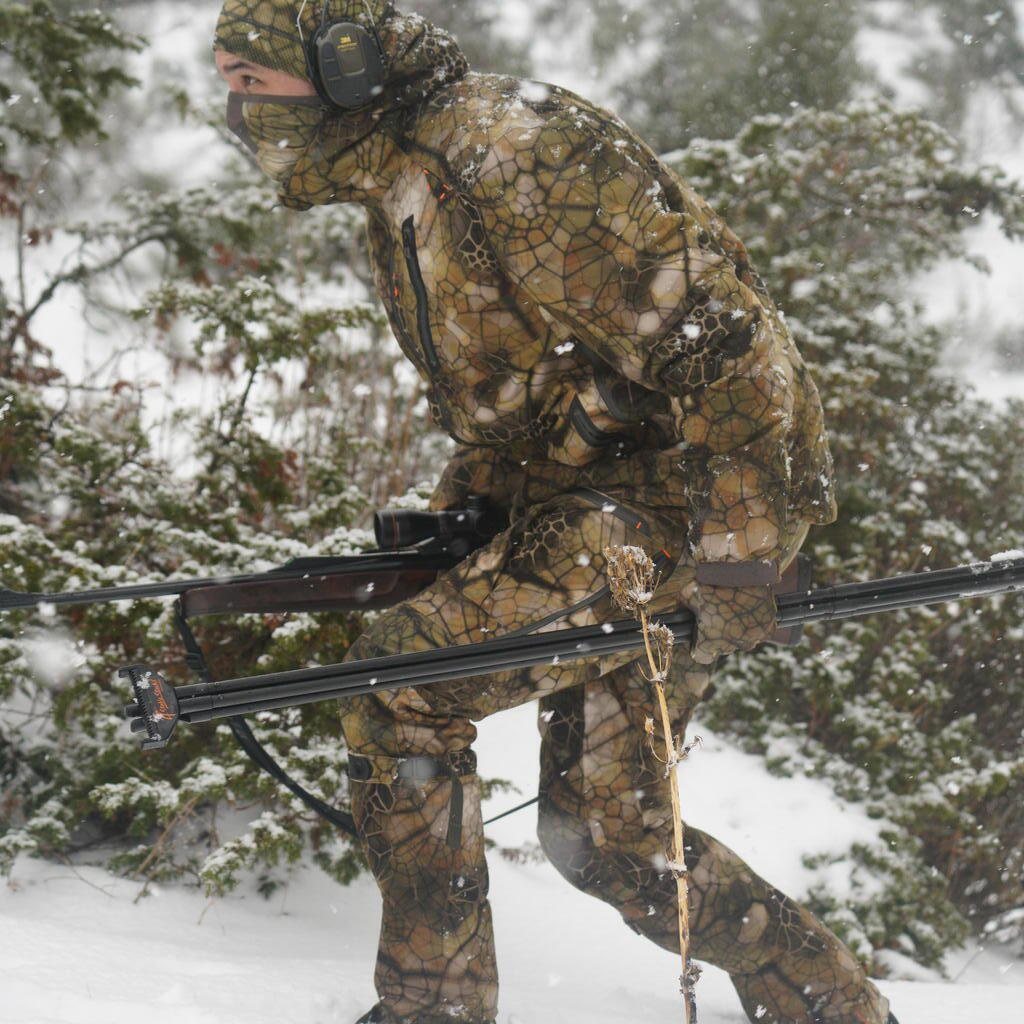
(243, 76)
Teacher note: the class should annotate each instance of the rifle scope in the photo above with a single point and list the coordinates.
(459, 530)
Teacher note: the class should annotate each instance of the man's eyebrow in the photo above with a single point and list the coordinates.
(239, 64)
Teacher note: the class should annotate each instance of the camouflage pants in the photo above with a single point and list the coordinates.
(605, 815)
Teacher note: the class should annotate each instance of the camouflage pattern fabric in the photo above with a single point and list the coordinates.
(582, 319)
(345, 157)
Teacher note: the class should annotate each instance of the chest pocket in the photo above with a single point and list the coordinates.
(412, 263)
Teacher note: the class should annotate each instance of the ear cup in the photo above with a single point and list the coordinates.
(349, 67)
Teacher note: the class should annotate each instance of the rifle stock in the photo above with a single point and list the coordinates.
(364, 591)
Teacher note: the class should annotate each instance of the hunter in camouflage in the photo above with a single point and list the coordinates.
(613, 372)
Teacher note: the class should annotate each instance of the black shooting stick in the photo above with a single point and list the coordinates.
(205, 702)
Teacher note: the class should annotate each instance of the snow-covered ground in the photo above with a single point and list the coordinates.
(76, 947)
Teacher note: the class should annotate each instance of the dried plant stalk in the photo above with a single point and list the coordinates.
(631, 577)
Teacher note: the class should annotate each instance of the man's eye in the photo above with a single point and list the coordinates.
(248, 81)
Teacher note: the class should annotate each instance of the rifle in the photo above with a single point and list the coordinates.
(413, 547)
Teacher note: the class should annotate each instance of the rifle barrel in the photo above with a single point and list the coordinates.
(849, 600)
(298, 569)
(350, 679)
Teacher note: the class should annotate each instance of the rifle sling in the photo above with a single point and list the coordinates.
(196, 661)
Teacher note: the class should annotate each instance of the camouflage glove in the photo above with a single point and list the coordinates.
(735, 608)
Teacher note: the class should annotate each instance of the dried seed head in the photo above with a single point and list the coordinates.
(683, 752)
(631, 577)
(662, 639)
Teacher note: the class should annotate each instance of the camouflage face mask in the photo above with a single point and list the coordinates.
(284, 132)
(278, 130)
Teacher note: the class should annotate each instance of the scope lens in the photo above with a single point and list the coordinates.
(402, 528)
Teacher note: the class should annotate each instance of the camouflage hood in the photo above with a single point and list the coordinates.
(322, 155)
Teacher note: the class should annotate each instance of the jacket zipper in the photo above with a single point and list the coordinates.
(420, 291)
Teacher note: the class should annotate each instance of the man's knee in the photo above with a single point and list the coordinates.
(591, 851)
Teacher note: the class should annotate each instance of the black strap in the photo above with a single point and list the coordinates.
(252, 746)
(247, 741)
(423, 768)
(454, 836)
(512, 810)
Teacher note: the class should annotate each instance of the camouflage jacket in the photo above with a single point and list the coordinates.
(580, 315)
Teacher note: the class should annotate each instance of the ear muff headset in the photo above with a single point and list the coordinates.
(346, 63)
